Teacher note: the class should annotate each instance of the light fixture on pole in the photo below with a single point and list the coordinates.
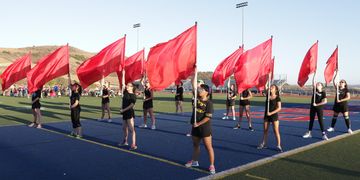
(137, 25)
(242, 5)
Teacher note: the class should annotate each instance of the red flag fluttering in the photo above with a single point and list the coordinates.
(264, 78)
(308, 65)
(134, 68)
(108, 60)
(48, 68)
(226, 68)
(331, 66)
(16, 71)
(251, 64)
(172, 61)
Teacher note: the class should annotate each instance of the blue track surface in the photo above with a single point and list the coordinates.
(28, 153)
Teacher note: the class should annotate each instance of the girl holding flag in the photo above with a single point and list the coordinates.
(75, 108)
(35, 106)
(341, 104)
(272, 108)
(201, 129)
(245, 104)
(148, 105)
(230, 102)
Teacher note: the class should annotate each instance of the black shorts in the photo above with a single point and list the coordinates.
(201, 131)
(179, 98)
(271, 118)
(128, 114)
(147, 104)
(244, 102)
(75, 117)
(340, 108)
(104, 101)
(36, 106)
(230, 102)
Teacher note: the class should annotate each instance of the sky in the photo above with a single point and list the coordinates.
(93, 24)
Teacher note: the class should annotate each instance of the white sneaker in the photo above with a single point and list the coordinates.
(192, 164)
(325, 137)
(307, 135)
(350, 131)
(32, 125)
(143, 126)
(153, 127)
(188, 134)
(330, 129)
(234, 118)
(225, 117)
(109, 120)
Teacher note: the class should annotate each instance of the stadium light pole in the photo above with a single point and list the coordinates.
(137, 26)
(242, 6)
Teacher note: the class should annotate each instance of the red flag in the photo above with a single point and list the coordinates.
(331, 66)
(226, 68)
(308, 65)
(172, 61)
(108, 60)
(16, 71)
(134, 68)
(48, 68)
(251, 64)
(264, 78)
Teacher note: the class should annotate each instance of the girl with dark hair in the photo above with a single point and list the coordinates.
(341, 105)
(76, 91)
(148, 106)
(201, 130)
(271, 116)
(316, 108)
(179, 97)
(245, 105)
(35, 106)
(128, 103)
(105, 103)
(230, 102)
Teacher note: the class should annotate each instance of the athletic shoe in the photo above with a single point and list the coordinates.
(225, 117)
(251, 129)
(78, 137)
(330, 129)
(133, 147)
(212, 169)
(350, 131)
(307, 135)
(72, 134)
(278, 148)
(188, 134)
(143, 126)
(261, 146)
(325, 137)
(109, 120)
(32, 125)
(39, 126)
(153, 127)
(234, 118)
(124, 143)
(237, 127)
(192, 164)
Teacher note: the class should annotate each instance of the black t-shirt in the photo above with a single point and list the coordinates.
(105, 92)
(273, 104)
(204, 109)
(75, 96)
(147, 93)
(231, 94)
(128, 98)
(342, 94)
(36, 94)
(319, 96)
(179, 93)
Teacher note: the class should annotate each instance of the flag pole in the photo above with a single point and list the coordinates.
(69, 76)
(195, 83)
(314, 87)
(268, 96)
(123, 70)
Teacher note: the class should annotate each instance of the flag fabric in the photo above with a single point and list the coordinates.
(172, 61)
(134, 68)
(16, 71)
(226, 68)
(308, 65)
(48, 68)
(331, 66)
(108, 60)
(252, 64)
(264, 78)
